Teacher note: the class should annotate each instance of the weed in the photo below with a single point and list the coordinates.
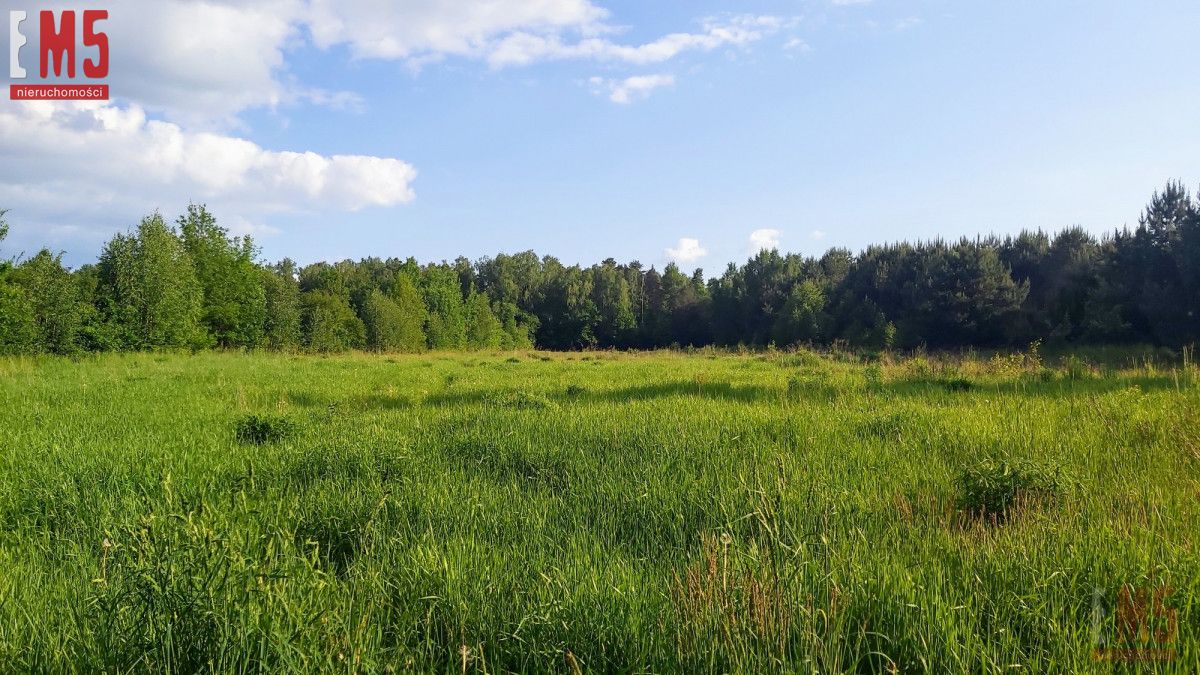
(1076, 369)
(994, 489)
(263, 429)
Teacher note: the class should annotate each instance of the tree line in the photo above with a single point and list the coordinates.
(191, 285)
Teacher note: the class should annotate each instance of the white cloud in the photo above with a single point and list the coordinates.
(198, 62)
(523, 48)
(91, 153)
(631, 88)
(764, 240)
(239, 227)
(817, 235)
(686, 251)
(847, 3)
(795, 44)
(201, 62)
(184, 71)
(433, 29)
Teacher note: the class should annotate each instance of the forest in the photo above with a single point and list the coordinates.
(190, 285)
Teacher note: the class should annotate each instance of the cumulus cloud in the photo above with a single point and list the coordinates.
(196, 62)
(183, 72)
(817, 235)
(240, 226)
(201, 62)
(68, 149)
(631, 88)
(686, 251)
(764, 240)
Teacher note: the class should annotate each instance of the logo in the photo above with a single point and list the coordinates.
(70, 47)
(1144, 628)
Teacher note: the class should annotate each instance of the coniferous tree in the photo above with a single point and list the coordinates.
(160, 288)
(1165, 237)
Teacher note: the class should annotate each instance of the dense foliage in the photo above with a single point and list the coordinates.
(194, 286)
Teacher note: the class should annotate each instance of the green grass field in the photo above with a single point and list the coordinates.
(596, 512)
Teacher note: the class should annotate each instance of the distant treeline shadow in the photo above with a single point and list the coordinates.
(711, 390)
(359, 402)
(1027, 386)
(525, 399)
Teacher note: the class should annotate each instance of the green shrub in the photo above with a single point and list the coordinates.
(993, 489)
(263, 429)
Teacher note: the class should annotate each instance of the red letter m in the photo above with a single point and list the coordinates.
(60, 43)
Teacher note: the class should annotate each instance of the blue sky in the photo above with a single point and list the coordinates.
(816, 123)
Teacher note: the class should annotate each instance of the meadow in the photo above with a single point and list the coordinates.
(598, 512)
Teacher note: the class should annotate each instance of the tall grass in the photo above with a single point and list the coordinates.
(591, 512)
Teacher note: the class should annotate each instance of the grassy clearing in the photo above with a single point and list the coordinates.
(591, 512)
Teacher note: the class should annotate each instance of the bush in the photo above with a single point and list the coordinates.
(263, 429)
(995, 489)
